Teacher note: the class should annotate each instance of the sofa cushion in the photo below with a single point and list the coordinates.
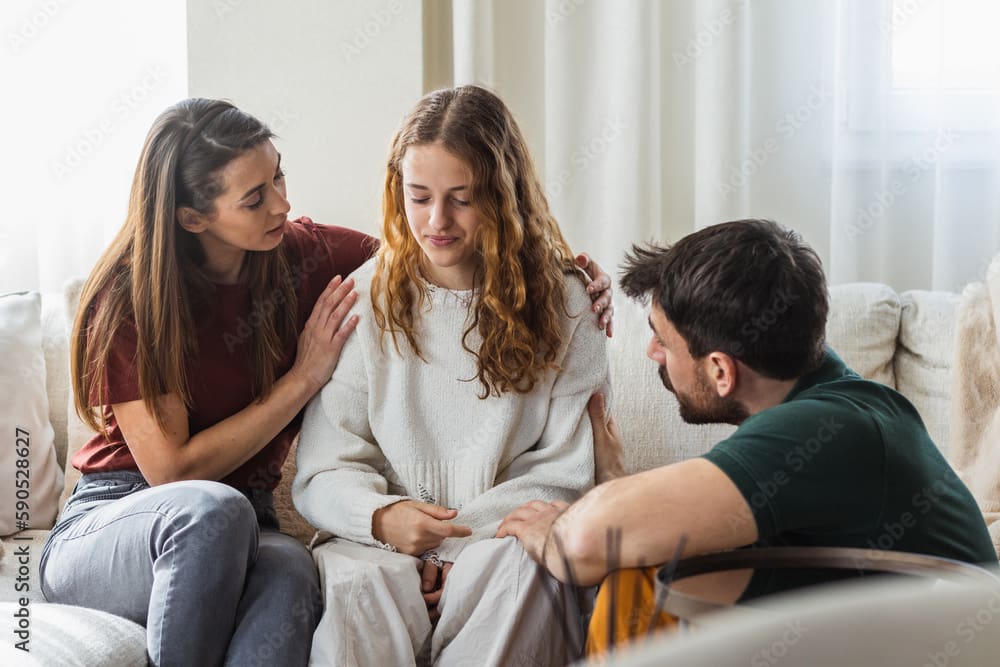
(975, 396)
(76, 432)
(29, 473)
(55, 347)
(863, 327)
(893, 620)
(925, 356)
(71, 637)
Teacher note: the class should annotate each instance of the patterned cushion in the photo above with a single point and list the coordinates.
(292, 523)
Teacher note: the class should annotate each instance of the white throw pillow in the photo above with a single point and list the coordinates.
(30, 478)
(70, 637)
(925, 357)
(863, 328)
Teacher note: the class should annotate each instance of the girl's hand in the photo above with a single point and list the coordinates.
(600, 292)
(414, 527)
(325, 333)
(432, 580)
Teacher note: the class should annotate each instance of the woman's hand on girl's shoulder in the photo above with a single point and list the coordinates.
(600, 292)
(325, 333)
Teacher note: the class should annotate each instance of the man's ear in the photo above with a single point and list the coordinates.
(723, 372)
(191, 220)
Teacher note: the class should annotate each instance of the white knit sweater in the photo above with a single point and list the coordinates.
(390, 427)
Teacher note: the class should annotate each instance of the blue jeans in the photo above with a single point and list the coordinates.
(189, 562)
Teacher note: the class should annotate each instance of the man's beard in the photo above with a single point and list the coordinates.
(705, 406)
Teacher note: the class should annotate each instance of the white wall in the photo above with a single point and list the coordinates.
(82, 84)
(331, 78)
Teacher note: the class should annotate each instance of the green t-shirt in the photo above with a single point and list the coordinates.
(846, 462)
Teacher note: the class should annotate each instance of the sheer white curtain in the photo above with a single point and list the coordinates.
(871, 126)
(82, 83)
(868, 125)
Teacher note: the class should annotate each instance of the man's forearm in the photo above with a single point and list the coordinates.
(573, 553)
(683, 509)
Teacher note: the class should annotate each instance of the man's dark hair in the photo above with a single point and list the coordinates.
(749, 288)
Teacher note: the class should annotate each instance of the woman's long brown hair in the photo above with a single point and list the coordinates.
(152, 274)
(520, 293)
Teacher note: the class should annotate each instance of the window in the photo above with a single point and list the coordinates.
(951, 48)
(919, 73)
(945, 64)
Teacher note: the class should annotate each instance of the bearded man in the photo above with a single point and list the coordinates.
(821, 456)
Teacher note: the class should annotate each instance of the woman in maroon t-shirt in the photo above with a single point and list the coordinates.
(204, 329)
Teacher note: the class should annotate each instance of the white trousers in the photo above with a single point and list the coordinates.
(498, 608)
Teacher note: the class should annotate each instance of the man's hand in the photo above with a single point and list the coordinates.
(414, 527)
(530, 523)
(600, 292)
(609, 457)
(432, 580)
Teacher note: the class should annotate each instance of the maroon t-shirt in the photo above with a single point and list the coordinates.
(219, 378)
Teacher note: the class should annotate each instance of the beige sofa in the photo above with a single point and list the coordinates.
(904, 341)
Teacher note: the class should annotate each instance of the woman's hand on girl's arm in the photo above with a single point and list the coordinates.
(413, 527)
(170, 453)
(600, 292)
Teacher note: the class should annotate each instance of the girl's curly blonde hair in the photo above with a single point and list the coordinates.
(518, 241)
